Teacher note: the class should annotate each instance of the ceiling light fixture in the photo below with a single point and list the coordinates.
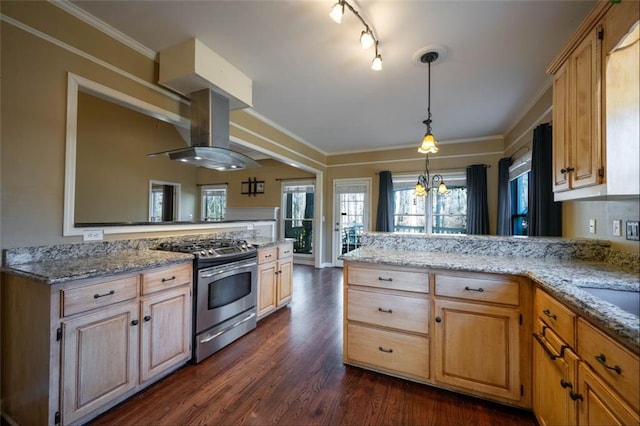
(429, 143)
(367, 38)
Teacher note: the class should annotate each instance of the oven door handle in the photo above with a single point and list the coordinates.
(213, 336)
(233, 268)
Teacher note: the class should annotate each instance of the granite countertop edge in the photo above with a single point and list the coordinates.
(561, 278)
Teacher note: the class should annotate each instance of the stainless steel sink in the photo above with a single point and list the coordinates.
(626, 300)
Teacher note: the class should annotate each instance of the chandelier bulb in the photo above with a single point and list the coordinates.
(337, 10)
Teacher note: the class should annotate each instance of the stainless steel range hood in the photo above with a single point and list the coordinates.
(210, 136)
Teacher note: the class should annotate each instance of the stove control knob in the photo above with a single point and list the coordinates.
(249, 245)
(244, 246)
(211, 251)
(203, 252)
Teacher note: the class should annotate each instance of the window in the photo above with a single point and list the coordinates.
(298, 205)
(164, 200)
(519, 173)
(435, 213)
(213, 202)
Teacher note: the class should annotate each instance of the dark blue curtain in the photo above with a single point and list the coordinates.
(477, 205)
(384, 217)
(504, 197)
(545, 215)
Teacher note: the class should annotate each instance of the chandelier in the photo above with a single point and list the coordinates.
(429, 143)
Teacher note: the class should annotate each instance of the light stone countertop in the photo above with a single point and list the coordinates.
(561, 278)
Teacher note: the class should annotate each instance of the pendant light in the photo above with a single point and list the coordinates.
(429, 143)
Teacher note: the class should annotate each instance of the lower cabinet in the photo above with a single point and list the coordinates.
(91, 343)
(275, 278)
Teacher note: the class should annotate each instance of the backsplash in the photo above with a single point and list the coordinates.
(51, 253)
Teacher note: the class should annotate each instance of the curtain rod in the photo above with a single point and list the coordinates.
(298, 178)
(488, 166)
(217, 183)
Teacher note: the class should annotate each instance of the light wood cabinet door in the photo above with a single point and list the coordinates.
(165, 331)
(585, 92)
(561, 136)
(285, 280)
(477, 347)
(554, 382)
(267, 287)
(99, 358)
(599, 405)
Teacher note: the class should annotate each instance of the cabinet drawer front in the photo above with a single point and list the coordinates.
(389, 278)
(81, 299)
(164, 278)
(485, 289)
(285, 250)
(555, 315)
(397, 352)
(267, 255)
(600, 351)
(387, 310)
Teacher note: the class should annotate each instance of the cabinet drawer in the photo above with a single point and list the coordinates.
(164, 278)
(285, 250)
(389, 278)
(81, 299)
(479, 288)
(394, 351)
(555, 315)
(267, 254)
(600, 351)
(388, 310)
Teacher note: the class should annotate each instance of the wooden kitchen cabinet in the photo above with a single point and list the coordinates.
(275, 278)
(75, 349)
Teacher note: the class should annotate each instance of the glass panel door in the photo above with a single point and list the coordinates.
(351, 215)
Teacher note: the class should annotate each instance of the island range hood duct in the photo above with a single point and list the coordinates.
(210, 136)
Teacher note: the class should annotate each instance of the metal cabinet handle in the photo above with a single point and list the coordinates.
(267, 256)
(552, 356)
(565, 384)
(548, 313)
(438, 319)
(380, 348)
(575, 396)
(164, 280)
(147, 318)
(385, 279)
(97, 296)
(479, 290)
(134, 322)
(603, 361)
(386, 311)
(570, 169)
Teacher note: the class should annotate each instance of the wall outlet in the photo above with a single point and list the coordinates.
(92, 235)
(632, 230)
(592, 226)
(249, 226)
(617, 228)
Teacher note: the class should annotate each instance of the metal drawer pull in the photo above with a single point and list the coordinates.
(386, 311)
(266, 256)
(168, 279)
(97, 296)
(603, 360)
(479, 290)
(552, 356)
(380, 348)
(548, 313)
(213, 336)
(565, 384)
(385, 279)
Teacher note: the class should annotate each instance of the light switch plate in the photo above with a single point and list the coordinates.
(592, 226)
(617, 228)
(632, 230)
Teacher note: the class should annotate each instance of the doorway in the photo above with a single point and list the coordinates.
(351, 215)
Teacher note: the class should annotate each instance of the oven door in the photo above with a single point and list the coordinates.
(225, 291)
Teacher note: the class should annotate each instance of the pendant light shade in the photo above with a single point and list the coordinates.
(366, 39)
(429, 145)
(337, 10)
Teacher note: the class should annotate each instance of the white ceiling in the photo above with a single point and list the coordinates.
(312, 78)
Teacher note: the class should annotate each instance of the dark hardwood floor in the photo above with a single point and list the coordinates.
(289, 371)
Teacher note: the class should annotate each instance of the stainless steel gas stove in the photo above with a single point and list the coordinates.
(225, 293)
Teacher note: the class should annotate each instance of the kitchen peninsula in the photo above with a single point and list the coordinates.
(459, 312)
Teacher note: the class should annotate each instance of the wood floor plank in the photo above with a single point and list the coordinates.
(289, 371)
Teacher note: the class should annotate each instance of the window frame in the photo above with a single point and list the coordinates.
(215, 187)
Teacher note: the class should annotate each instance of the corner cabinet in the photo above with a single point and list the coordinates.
(420, 324)
(275, 278)
(88, 344)
(596, 108)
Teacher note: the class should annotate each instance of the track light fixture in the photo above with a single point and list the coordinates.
(367, 38)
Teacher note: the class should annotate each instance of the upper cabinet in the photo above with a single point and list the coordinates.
(596, 107)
